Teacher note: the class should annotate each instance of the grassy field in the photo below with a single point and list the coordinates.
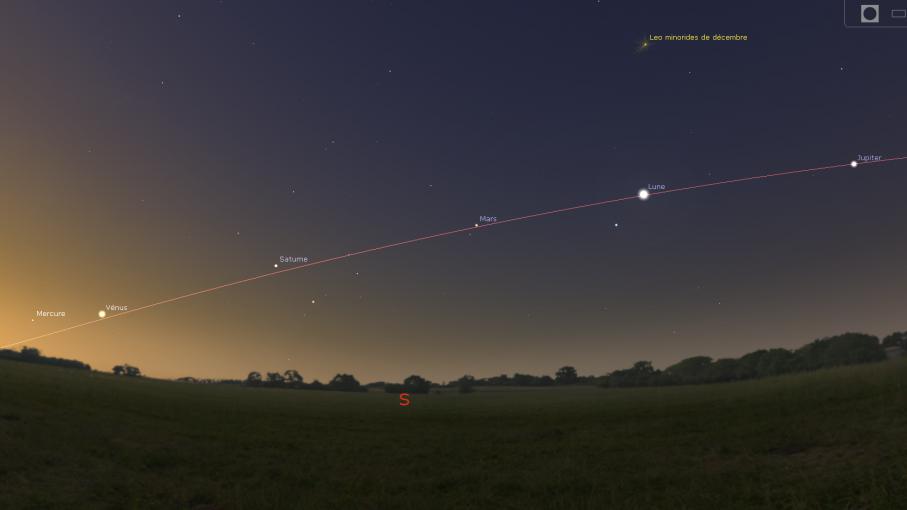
(832, 439)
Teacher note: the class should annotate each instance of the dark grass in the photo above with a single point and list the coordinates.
(831, 439)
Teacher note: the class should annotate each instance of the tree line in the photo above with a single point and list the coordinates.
(290, 379)
(32, 355)
(835, 351)
(840, 350)
(846, 349)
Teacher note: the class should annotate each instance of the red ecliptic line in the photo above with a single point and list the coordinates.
(450, 233)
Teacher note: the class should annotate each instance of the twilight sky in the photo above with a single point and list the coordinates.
(148, 150)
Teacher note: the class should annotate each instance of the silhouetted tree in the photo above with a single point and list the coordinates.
(723, 370)
(292, 379)
(690, 371)
(253, 379)
(465, 384)
(640, 374)
(566, 375)
(765, 362)
(846, 349)
(345, 382)
(416, 384)
(31, 353)
(519, 379)
(897, 339)
(127, 370)
(274, 380)
(498, 380)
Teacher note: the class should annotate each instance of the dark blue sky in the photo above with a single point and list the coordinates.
(140, 138)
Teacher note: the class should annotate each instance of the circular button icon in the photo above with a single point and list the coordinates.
(869, 13)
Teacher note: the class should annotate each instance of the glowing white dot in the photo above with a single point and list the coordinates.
(477, 224)
(275, 265)
(643, 194)
(313, 301)
(853, 164)
(102, 314)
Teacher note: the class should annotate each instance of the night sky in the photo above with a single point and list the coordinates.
(151, 150)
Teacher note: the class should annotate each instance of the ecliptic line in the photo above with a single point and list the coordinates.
(449, 233)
